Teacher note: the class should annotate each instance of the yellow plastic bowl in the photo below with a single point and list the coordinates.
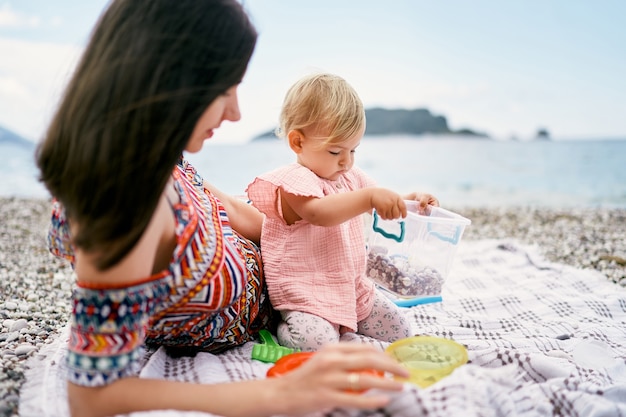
(428, 358)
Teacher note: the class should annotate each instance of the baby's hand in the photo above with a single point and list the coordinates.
(424, 200)
(388, 204)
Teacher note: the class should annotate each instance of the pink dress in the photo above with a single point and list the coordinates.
(314, 269)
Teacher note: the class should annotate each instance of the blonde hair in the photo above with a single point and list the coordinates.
(322, 101)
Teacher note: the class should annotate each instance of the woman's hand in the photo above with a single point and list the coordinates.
(331, 379)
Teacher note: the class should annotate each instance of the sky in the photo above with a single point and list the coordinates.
(506, 68)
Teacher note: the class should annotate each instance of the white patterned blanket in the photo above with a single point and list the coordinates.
(543, 340)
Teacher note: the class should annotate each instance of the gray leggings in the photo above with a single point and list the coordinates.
(309, 332)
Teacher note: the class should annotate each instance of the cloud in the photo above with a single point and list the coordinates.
(13, 19)
(56, 21)
(31, 82)
(11, 87)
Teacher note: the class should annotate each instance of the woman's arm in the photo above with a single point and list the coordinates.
(335, 209)
(319, 384)
(136, 394)
(244, 217)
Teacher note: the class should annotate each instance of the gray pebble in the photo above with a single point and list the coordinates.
(10, 305)
(18, 325)
(12, 337)
(24, 349)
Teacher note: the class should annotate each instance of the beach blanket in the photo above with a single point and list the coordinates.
(543, 339)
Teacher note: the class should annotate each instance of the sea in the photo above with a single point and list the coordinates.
(460, 171)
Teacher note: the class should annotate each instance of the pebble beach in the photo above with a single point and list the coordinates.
(35, 287)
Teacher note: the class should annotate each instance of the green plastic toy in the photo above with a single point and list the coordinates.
(269, 351)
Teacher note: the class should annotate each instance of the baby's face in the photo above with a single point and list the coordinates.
(328, 161)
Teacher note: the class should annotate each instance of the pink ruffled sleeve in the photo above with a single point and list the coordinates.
(294, 179)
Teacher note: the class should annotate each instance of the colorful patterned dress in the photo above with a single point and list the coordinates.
(211, 297)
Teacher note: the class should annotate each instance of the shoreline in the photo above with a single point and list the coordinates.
(35, 286)
(585, 238)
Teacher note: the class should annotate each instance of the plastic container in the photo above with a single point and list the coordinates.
(411, 258)
(428, 359)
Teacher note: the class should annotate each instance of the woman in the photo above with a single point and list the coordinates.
(161, 256)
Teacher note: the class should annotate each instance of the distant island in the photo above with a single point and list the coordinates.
(542, 134)
(402, 122)
(380, 122)
(7, 136)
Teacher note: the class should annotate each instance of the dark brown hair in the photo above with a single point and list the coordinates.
(149, 71)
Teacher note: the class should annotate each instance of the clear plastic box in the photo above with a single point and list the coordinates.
(411, 258)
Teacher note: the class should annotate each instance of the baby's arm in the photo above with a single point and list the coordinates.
(335, 209)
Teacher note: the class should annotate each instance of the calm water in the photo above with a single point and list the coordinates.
(459, 171)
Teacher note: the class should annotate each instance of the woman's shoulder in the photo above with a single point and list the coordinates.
(147, 259)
